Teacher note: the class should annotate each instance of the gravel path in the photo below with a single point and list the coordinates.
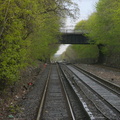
(107, 73)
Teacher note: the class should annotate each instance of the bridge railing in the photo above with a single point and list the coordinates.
(63, 30)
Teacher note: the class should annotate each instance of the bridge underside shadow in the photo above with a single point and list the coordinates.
(73, 38)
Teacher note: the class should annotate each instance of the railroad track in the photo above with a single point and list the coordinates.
(55, 103)
(115, 88)
(106, 100)
(59, 101)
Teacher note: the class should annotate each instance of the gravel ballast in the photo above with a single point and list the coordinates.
(31, 101)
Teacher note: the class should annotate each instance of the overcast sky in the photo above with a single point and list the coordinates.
(87, 7)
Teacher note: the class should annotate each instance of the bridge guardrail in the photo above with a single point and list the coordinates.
(62, 30)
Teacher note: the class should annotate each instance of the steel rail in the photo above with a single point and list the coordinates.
(90, 115)
(43, 97)
(113, 87)
(96, 93)
(67, 98)
(39, 114)
(89, 98)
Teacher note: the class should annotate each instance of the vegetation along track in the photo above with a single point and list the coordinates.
(104, 99)
(59, 101)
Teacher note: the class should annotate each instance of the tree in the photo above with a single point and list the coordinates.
(104, 24)
(28, 31)
(81, 26)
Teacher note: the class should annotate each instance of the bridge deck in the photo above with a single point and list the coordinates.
(74, 38)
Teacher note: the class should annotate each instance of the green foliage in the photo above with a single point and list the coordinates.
(28, 31)
(14, 109)
(103, 27)
(81, 26)
(11, 43)
(44, 39)
(86, 51)
(104, 24)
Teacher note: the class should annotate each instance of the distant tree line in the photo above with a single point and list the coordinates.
(29, 30)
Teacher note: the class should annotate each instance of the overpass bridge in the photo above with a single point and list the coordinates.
(70, 36)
